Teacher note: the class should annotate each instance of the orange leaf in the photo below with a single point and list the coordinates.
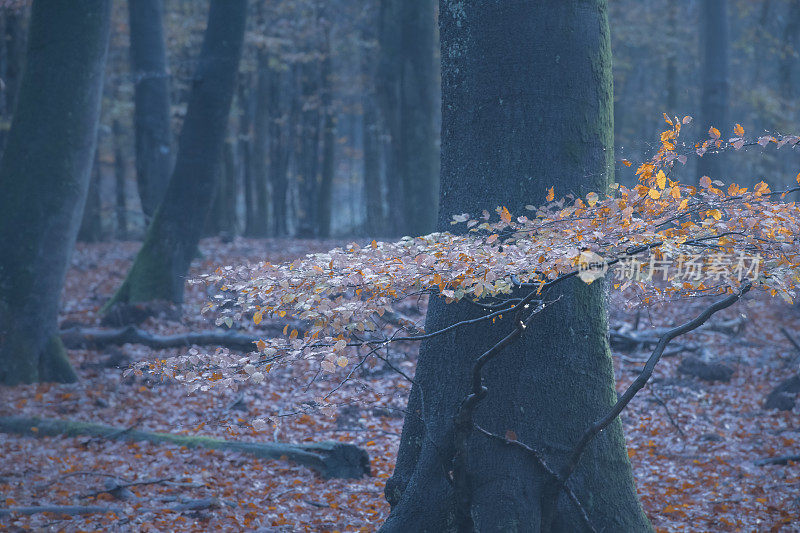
(551, 193)
(654, 194)
(505, 216)
(738, 130)
(714, 132)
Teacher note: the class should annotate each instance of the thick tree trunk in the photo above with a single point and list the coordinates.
(714, 103)
(419, 156)
(151, 97)
(160, 268)
(527, 104)
(44, 176)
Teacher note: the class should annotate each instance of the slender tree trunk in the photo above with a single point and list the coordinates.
(308, 155)
(791, 53)
(527, 104)
(672, 64)
(325, 200)
(91, 229)
(160, 267)
(714, 104)
(419, 156)
(44, 176)
(120, 205)
(245, 148)
(261, 146)
(279, 143)
(151, 97)
(389, 85)
(370, 137)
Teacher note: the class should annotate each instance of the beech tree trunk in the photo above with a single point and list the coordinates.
(151, 99)
(714, 103)
(325, 199)
(44, 176)
(419, 165)
(260, 147)
(160, 268)
(527, 104)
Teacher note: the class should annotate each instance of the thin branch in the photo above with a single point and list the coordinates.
(643, 377)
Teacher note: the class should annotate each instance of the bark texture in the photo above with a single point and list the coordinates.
(527, 104)
(44, 176)
(151, 99)
(160, 268)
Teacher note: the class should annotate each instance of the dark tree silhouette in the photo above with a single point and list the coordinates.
(44, 176)
(160, 267)
(714, 103)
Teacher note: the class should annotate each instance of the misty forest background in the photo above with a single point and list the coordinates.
(333, 132)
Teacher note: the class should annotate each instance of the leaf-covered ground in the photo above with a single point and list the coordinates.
(692, 443)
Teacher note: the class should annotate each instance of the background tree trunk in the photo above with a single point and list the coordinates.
(388, 89)
(151, 97)
(279, 143)
(419, 156)
(527, 104)
(160, 267)
(714, 103)
(91, 229)
(261, 147)
(44, 176)
(325, 200)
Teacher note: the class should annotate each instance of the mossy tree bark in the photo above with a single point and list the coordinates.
(44, 178)
(527, 104)
(160, 268)
(151, 99)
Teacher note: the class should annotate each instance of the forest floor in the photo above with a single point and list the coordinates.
(692, 443)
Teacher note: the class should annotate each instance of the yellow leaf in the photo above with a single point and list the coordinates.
(260, 344)
(675, 192)
(738, 130)
(683, 205)
(654, 194)
(342, 361)
(798, 177)
(374, 244)
(285, 329)
(505, 216)
(258, 317)
(293, 334)
(715, 213)
(661, 179)
(592, 198)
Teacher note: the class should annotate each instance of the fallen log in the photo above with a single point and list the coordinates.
(93, 338)
(782, 460)
(331, 459)
(188, 505)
